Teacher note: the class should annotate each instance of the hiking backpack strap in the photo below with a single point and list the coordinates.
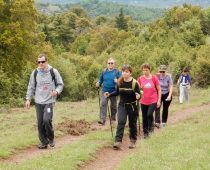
(35, 74)
(134, 84)
(52, 75)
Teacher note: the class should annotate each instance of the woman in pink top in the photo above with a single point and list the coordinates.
(150, 99)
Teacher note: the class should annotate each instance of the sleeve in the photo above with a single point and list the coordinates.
(119, 74)
(189, 79)
(31, 87)
(170, 80)
(101, 78)
(59, 80)
(157, 82)
(115, 93)
(137, 88)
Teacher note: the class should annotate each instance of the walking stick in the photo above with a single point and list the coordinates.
(108, 109)
(139, 118)
(99, 102)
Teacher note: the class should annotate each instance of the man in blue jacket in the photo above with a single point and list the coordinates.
(108, 80)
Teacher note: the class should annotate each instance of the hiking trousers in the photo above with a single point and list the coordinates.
(131, 111)
(166, 105)
(113, 105)
(147, 116)
(44, 120)
(184, 93)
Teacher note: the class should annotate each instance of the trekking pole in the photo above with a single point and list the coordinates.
(99, 101)
(139, 118)
(109, 116)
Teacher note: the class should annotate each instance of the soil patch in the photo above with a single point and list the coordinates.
(74, 127)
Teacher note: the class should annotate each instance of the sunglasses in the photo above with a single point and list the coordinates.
(161, 71)
(110, 63)
(38, 62)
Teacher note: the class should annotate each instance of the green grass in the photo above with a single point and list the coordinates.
(18, 128)
(18, 131)
(181, 146)
(69, 157)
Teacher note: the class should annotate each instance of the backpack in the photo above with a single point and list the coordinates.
(134, 84)
(52, 75)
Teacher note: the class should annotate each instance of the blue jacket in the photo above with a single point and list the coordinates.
(107, 79)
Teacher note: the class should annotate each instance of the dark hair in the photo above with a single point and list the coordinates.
(145, 65)
(185, 69)
(43, 55)
(125, 67)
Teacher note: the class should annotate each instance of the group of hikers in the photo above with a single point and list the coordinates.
(148, 92)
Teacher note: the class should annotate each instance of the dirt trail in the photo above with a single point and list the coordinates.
(107, 158)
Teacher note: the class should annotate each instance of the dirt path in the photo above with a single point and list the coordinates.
(107, 158)
(32, 152)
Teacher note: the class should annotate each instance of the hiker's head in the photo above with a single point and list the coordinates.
(186, 70)
(162, 69)
(110, 63)
(146, 68)
(42, 61)
(126, 71)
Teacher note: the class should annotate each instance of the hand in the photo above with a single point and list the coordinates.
(115, 80)
(54, 93)
(106, 94)
(137, 96)
(27, 104)
(97, 85)
(168, 98)
(158, 104)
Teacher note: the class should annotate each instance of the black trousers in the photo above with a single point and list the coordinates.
(44, 120)
(166, 105)
(131, 111)
(147, 116)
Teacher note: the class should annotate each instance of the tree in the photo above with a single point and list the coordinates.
(121, 22)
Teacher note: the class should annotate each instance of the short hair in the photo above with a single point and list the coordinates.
(186, 69)
(127, 67)
(43, 55)
(145, 65)
(111, 58)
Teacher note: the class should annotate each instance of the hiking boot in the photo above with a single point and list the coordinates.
(146, 135)
(117, 145)
(101, 122)
(157, 125)
(42, 146)
(132, 144)
(164, 124)
(52, 143)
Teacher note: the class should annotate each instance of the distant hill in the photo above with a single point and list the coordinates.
(145, 3)
(95, 8)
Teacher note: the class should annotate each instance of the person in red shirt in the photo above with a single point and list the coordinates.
(151, 98)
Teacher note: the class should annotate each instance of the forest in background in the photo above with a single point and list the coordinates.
(96, 8)
(78, 46)
(144, 3)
